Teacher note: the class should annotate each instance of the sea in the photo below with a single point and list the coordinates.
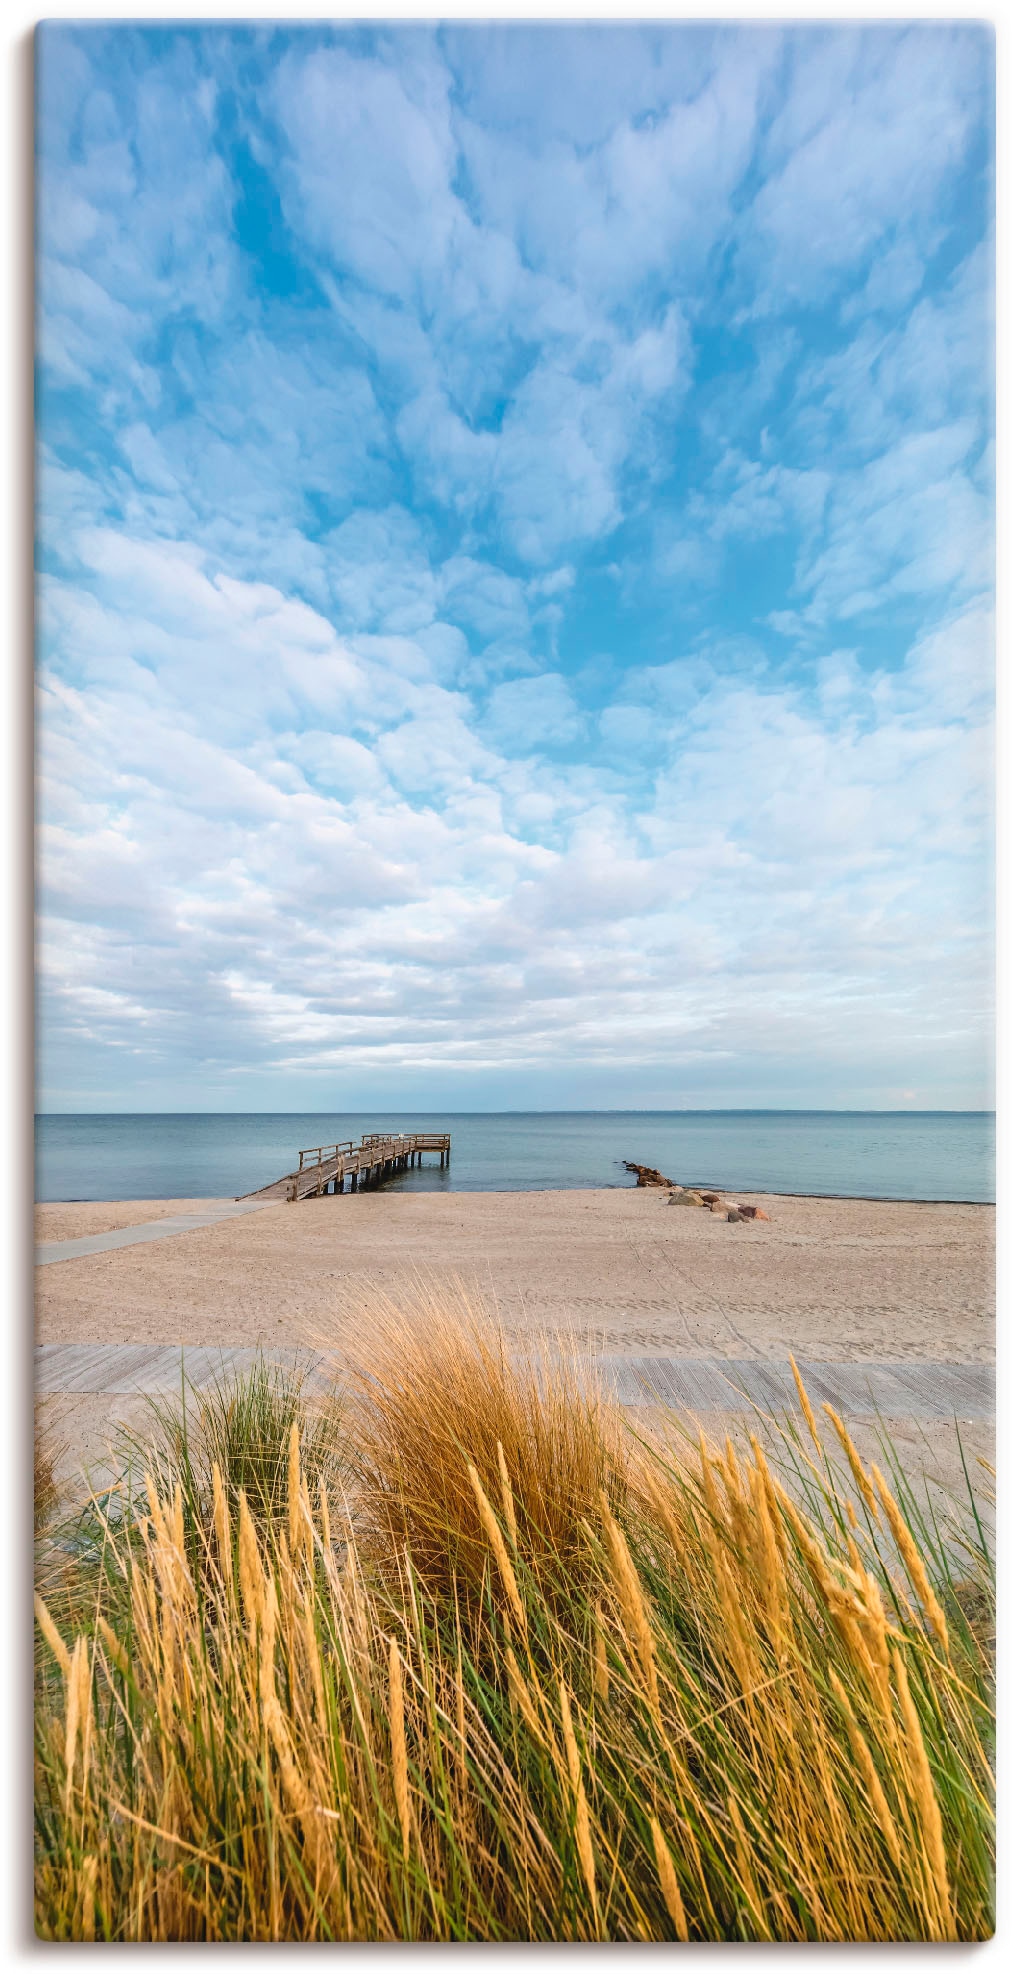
(908, 1155)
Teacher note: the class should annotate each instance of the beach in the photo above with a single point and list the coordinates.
(889, 1307)
(616, 1270)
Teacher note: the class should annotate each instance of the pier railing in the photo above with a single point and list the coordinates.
(378, 1155)
(321, 1154)
(398, 1141)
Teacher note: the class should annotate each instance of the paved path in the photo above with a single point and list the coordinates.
(693, 1384)
(147, 1230)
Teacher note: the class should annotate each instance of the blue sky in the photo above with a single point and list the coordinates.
(515, 547)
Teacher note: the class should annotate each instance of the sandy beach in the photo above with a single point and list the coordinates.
(618, 1270)
(69, 1220)
(622, 1269)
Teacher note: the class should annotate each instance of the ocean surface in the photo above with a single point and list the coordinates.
(857, 1154)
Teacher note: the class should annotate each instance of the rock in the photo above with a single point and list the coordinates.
(685, 1198)
(711, 1199)
(760, 1215)
(648, 1175)
(720, 1211)
(748, 1212)
(733, 1213)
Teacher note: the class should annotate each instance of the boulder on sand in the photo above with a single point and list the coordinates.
(748, 1212)
(760, 1215)
(733, 1214)
(685, 1197)
(711, 1199)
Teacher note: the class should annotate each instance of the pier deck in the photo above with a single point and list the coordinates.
(324, 1168)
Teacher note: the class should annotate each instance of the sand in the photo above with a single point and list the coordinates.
(622, 1269)
(72, 1220)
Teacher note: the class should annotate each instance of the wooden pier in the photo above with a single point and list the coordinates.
(324, 1168)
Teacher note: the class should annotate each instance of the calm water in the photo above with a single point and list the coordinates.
(864, 1154)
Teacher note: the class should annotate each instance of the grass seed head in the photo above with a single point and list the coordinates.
(806, 1406)
(853, 1460)
(398, 1744)
(52, 1636)
(499, 1550)
(669, 1881)
(632, 1603)
(913, 1562)
(928, 1811)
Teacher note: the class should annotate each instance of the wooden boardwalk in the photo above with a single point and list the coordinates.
(324, 1168)
(925, 1390)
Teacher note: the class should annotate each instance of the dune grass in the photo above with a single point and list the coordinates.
(434, 1704)
(440, 1400)
(242, 1426)
(47, 1452)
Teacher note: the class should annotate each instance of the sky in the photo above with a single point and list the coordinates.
(515, 547)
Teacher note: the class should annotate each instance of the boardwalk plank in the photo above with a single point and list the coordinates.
(925, 1390)
(764, 1383)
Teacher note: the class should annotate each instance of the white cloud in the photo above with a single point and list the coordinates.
(529, 715)
(784, 852)
(391, 225)
(415, 689)
(909, 524)
(870, 129)
(553, 457)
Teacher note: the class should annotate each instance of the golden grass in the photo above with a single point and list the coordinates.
(242, 1428)
(447, 1422)
(694, 1707)
(47, 1492)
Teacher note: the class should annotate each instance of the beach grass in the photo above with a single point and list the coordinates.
(46, 1487)
(495, 1668)
(242, 1427)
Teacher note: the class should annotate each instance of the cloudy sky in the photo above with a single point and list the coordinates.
(515, 511)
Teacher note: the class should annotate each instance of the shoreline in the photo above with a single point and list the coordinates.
(502, 1192)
